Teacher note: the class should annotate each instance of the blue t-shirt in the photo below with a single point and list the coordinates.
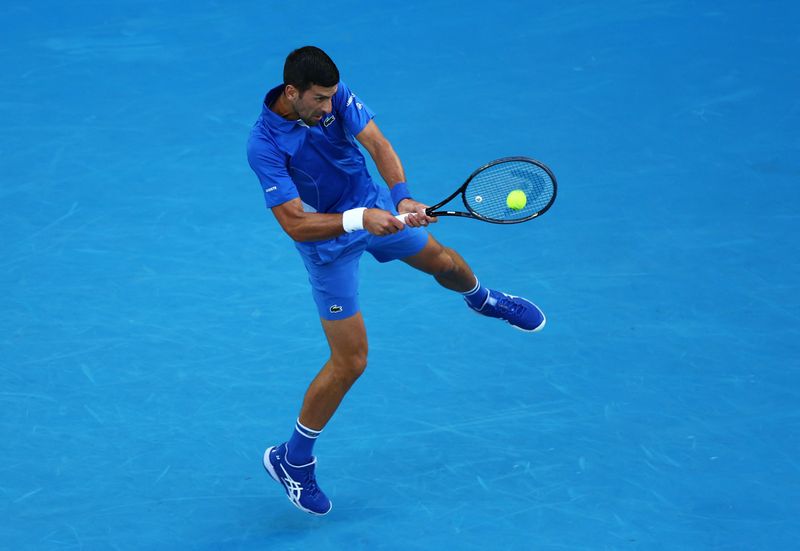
(321, 164)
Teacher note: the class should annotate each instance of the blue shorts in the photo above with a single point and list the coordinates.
(334, 285)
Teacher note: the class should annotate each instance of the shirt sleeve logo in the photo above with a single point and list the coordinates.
(359, 105)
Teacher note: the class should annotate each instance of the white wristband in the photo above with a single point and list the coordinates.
(353, 219)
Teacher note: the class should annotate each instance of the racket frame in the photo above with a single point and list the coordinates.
(431, 211)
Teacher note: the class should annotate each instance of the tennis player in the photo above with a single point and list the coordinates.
(314, 178)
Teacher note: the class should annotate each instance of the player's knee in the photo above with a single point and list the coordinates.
(445, 262)
(358, 363)
(351, 364)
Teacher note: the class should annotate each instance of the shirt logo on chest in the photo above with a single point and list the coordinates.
(328, 120)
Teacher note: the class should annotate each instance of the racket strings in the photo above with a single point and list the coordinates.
(487, 192)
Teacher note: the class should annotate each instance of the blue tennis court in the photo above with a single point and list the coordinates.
(158, 331)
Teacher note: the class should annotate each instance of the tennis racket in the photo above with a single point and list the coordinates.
(506, 191)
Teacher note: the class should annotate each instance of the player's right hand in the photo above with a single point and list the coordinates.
(381, 222)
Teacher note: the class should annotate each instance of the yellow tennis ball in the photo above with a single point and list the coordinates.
(516, 200)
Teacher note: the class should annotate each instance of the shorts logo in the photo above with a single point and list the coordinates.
(327, 122)
(336, 309)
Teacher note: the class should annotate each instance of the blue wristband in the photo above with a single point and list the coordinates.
(399, 192)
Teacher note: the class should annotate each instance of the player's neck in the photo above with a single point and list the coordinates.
(283, 108)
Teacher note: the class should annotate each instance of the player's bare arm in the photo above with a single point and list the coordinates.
(382, 153)
(391, 169)
(315, 226)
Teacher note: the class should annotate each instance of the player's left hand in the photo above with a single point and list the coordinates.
(417, 217)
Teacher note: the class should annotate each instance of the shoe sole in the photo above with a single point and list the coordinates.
(536, 330)
(271, 472)
(268, 465)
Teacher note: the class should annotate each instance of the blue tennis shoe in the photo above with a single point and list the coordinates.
(298, 481)
(517, 311)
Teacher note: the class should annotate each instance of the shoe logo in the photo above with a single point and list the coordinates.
(293, 488)
(336, 309)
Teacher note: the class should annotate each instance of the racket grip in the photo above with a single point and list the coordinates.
(402, 217)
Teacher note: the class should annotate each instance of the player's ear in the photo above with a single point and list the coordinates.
(291, 92)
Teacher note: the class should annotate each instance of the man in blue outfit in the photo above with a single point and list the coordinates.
(314, 177)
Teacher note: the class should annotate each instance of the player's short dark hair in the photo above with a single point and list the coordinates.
(309, 65)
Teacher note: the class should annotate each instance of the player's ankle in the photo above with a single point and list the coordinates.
(300, 446)
(476, 297)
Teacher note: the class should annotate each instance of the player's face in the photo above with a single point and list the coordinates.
(313, 104)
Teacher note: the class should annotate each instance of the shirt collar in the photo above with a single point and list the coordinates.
(272, 118)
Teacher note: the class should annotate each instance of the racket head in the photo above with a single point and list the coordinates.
(486, 191)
